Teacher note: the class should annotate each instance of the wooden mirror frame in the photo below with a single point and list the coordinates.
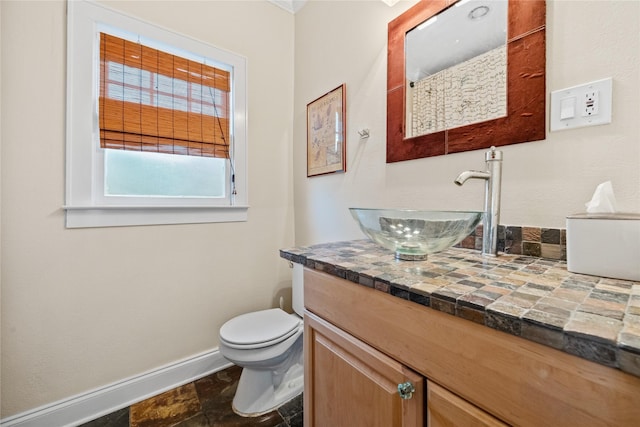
(526, 90)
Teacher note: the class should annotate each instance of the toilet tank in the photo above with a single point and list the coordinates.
(297, 289)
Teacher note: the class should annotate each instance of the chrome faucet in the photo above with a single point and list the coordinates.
(493, 178)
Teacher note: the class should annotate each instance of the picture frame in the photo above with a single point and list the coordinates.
(326, 131)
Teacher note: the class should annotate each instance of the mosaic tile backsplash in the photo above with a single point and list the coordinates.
(538, 242)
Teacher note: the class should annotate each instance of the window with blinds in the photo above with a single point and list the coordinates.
(156, 124)
(154, 101)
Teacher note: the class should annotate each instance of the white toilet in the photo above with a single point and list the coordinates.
(267, 344)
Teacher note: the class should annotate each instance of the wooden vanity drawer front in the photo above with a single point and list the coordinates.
(445, 409)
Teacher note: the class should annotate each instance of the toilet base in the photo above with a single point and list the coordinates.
(257, 393)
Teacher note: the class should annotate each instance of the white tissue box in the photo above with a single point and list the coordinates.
(605, 245)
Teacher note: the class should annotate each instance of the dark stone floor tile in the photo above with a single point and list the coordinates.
(296, 420)
(115, 419)
(200, 420)
(231, 419)
(291, 408)
(216, 394)
(216, 391)
(166, 409)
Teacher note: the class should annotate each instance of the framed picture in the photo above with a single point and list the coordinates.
(326, 133)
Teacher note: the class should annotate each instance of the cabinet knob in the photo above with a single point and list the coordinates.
(406, 390)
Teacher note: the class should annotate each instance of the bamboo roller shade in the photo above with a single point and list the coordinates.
(154, 101)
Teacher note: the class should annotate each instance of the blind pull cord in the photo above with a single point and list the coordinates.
(224, 139)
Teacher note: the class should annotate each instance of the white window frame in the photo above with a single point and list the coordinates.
(84, 204)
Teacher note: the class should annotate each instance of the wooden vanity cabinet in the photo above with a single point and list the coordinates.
(348, 383)
(361, 343)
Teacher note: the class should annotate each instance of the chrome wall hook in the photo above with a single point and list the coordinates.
(364, 133)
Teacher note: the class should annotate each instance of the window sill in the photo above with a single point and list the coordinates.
(119, 216)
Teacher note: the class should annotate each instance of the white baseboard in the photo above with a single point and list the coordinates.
(105, 400)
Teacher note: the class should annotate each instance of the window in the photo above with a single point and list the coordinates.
(153, 102)
(156, 125)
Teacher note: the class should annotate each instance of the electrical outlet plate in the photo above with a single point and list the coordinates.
(584, 105)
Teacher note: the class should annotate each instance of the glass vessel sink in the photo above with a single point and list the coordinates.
(413, 234)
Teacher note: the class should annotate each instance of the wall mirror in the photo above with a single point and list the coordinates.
(465, 75)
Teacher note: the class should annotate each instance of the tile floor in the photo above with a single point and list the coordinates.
(202, 403)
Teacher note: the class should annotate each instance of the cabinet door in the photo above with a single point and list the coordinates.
(445, 409)
(350, 384)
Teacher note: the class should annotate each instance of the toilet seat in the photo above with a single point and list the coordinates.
(259, 329)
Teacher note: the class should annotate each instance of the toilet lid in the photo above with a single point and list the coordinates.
(259, 329)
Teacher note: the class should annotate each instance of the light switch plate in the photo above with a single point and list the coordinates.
(591, 101)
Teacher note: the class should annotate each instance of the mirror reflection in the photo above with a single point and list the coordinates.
(456, 67)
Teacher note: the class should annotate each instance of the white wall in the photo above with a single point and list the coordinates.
(86, 307)
(542, 181)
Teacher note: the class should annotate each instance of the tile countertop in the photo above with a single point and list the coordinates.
(595, 318)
